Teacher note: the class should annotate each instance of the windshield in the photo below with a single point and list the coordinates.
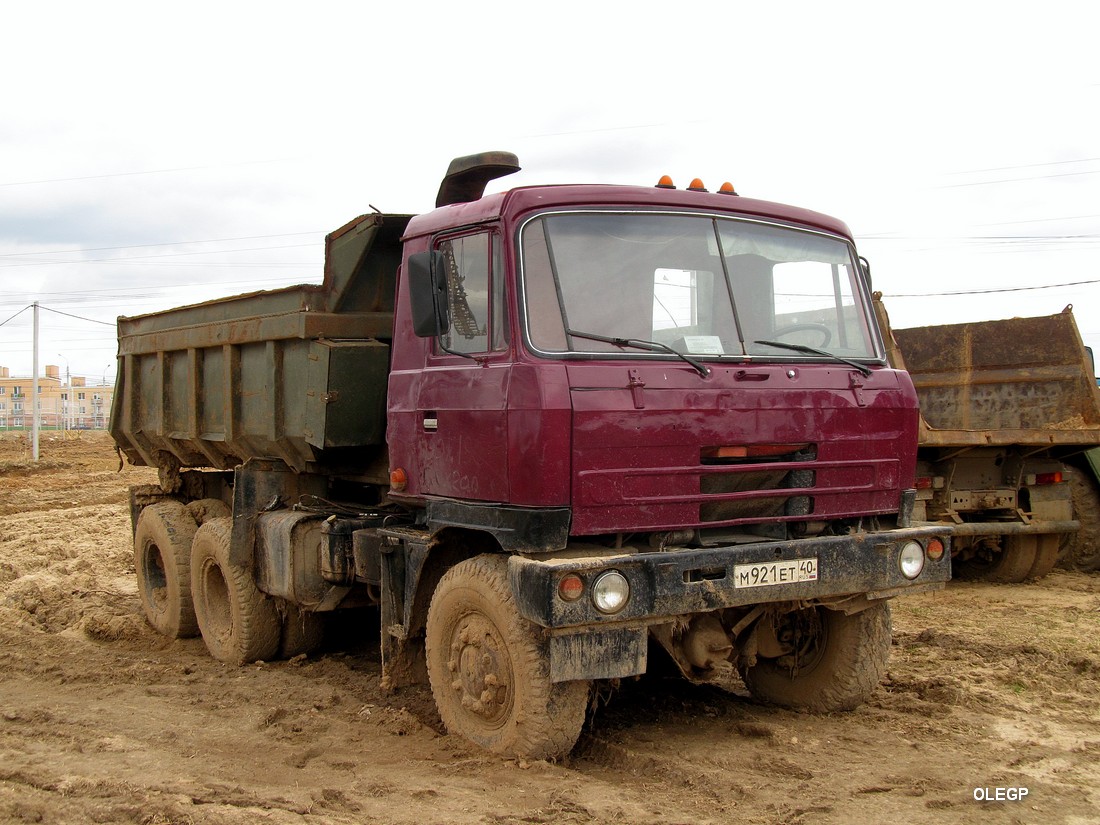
(700, 285)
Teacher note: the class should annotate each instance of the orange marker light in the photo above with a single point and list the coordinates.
(697, 186)
(399, 480)
(571, 587)
(727, 189)
(665, 183)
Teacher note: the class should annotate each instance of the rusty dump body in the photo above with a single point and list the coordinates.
(1024, 381)
(206, 385)
(1008, 412)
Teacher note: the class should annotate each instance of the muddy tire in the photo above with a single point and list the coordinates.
(835, 661)
(1011, 564)
(1081, 551)
(162, 559)
(205, 509)
(490, 671)
(239, 623)
(303, 631)
(1046, 555)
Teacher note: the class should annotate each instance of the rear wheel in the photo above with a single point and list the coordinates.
(824, 659)
(239, 623)
(489, 668)
(1012, 562)
(204, 509)
(1046, 555)
(1081, 550)
(162, 559)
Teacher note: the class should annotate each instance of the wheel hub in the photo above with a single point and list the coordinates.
(802, 637)
(482, 674)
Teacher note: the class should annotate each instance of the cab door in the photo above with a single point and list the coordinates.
(461, 431)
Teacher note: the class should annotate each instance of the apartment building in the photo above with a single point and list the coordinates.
(64, 402)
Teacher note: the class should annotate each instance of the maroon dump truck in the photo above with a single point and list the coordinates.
(1010, 414)
(540, 431)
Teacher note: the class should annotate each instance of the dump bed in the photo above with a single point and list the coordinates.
(297, 374)
(1025, 381)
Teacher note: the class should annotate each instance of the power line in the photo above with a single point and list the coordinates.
(1023, 166)
(1017, 180)
(79, 318)
(148, 245)
(986, 291)
(146, 172)
(142, 258)
(20, 312)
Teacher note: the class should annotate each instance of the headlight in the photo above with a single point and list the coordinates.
(911, 560)
(610, 592)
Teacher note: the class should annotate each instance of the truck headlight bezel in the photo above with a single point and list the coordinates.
(911, 559)
(610, 592)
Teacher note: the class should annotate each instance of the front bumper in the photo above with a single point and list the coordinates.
(678, 582)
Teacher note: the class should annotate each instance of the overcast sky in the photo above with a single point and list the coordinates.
(154, 154)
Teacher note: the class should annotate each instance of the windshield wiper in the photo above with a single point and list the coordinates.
(812, 351)
(635, 343)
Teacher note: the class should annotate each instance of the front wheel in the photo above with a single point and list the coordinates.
(490, 670)
(824, 661)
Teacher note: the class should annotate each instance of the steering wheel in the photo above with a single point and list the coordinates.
(821, 329)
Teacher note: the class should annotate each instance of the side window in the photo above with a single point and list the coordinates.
(475, 294)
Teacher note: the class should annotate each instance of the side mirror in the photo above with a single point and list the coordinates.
(428, 294)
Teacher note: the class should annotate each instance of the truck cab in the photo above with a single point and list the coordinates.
(642, 358)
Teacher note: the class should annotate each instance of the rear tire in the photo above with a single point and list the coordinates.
(833, 661)
(1011, 564)
(489, 668)
(162, 559)
(1046, 555)
(239, 623)
(1081, 550)
(205, 509)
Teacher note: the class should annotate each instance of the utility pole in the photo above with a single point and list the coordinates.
(34, 390)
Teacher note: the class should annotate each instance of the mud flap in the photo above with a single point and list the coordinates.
(598, 654)
(402, 647)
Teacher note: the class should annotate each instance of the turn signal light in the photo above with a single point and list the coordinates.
(571, 587)
(399, 480)
(1044, 478)
(935, 549)
(751, 450)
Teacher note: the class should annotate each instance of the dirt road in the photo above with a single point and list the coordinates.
(102, 720)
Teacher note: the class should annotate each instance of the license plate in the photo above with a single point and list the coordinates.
(768, 573)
